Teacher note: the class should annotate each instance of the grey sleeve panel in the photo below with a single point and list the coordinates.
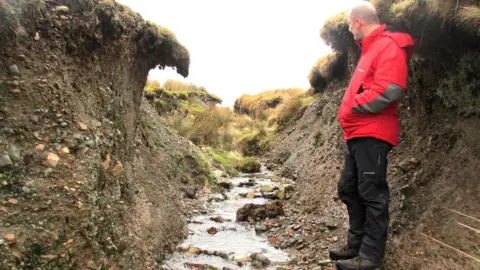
(390, 95)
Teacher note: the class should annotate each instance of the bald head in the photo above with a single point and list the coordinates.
(362, 19)
(366, 11)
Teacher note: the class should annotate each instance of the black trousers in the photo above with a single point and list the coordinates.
(363, 188)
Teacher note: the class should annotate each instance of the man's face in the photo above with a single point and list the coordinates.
(354, 26)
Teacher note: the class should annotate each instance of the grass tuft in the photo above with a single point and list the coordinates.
(335, 32)
(328, 68)
(469, 17)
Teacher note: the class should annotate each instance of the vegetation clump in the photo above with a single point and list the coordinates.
(326, 70)
(446, 34)
(249, 165)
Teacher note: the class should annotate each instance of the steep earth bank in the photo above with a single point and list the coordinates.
(435, 168)
(90, 178)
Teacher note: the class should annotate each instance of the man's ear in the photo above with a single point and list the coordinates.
(359, 22)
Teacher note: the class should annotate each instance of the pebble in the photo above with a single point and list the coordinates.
(223, 255)
(90, 143)
(47, 172)
(209, 252)
(331, 225)
(64, 124)
(260, 228)
(39, 148)
(14, 152)
(324, 262)
(14, 70)
(62, 9)
(34, 119)
(52, 159)
(78, 136)
(64, 150)
(13, 201)
(26, 189)
(261, 258)
(10, 238)
(2, 242)
(5, 161)
(117, 169)
(267, 188)
(240, 259)
(212, 230)
(257, 264)
(297, 227)
(298, 237)
(82, 126)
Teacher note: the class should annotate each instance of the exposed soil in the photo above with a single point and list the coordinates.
(90, 177)
(435, 168)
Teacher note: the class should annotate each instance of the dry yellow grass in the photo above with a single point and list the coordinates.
(175, 85)
(181, 90)
(263, 105)
(469, 16)
(292, 108)
(464, 12)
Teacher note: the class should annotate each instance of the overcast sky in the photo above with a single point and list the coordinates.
(243, 46)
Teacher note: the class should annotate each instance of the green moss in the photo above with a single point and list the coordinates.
(249, 165)
(215, 98)
(190, 106)
(163, 106)
(221, 158)
(461, 89)
(178, 96)
(199, 167)
(227, 160)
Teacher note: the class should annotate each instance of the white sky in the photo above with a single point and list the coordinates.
(243, 46)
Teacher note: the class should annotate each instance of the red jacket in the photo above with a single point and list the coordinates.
(369, 106)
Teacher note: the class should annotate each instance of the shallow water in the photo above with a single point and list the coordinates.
(233, 239)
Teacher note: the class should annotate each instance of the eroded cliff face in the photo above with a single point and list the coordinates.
(434, 169)
(89, 175)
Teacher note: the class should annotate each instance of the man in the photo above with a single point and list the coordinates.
(368, 116)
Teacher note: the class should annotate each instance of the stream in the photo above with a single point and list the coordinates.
(230, 244)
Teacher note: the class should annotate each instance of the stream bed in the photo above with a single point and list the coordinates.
(217, 241)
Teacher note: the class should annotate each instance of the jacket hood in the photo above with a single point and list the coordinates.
(402, 39)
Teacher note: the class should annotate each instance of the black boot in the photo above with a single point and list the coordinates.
(343, 253)
(357, 263)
